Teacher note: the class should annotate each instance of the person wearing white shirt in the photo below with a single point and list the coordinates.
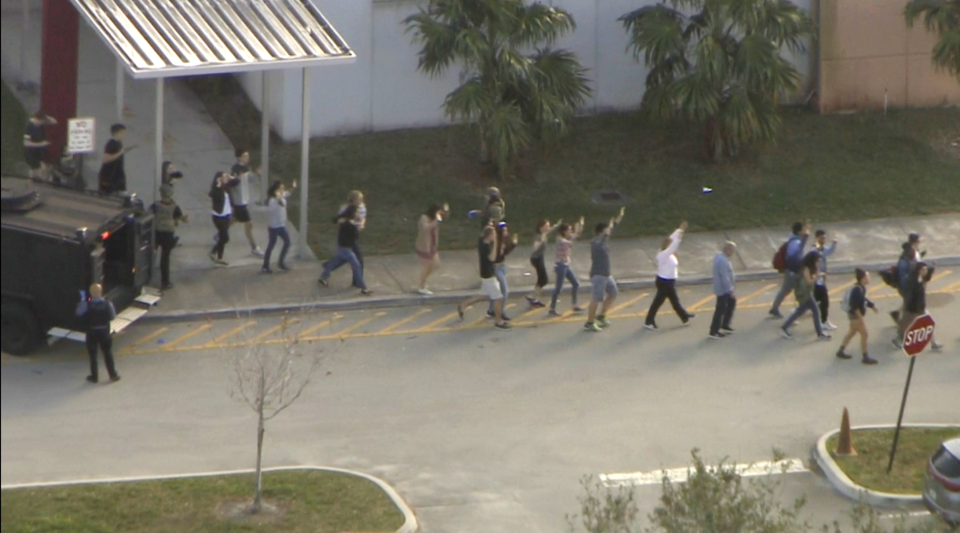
(667, 266)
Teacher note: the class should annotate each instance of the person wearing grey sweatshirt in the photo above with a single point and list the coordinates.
(724, 288)
(277, 206)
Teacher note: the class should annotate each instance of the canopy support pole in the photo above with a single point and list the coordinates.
(158, 147)
(302, 250)
(120, 88)
(264, 136)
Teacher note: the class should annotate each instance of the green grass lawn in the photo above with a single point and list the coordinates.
(310, 502)
(826, 168)
(13, 120)
(869, 467)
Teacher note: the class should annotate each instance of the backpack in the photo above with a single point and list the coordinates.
(780, 258)
(845, 302)
(890, 276)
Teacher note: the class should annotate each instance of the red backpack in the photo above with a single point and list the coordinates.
(780, 258)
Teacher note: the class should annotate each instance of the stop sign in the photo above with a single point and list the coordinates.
(918, 335)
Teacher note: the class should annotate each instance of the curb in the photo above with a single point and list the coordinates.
(847, 487)
(410, 523)
(402, 300)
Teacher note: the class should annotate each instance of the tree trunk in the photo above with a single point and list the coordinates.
(710, 133)
(258, 490)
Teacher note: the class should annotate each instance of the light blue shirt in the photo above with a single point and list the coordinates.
(824, 251)
(723, 277)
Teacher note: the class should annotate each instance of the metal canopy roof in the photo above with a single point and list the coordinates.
(163, 38)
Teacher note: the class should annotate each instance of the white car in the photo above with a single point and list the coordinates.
(941, 487)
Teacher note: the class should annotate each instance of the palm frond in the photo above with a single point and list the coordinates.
(559, 73)
(469, 101)
(506, 134)
(438, 40)
(538, 23)
(656, 32)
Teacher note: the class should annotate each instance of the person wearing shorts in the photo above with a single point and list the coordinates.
(604, 286)
(35, 144)
(489, 285)
(240, 196)
(538, 261)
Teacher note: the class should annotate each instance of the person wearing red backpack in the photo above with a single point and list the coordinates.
(789, 257)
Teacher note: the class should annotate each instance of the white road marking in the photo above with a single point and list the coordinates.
(913, 514)
(679, 475)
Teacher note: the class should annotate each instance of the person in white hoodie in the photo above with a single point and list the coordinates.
(667, 267)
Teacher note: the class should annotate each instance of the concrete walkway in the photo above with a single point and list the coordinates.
(203, 290)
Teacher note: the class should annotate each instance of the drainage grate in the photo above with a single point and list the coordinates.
(609, 198)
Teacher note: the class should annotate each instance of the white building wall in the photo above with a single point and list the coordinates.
(383, 90)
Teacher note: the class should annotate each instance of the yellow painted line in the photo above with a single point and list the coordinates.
(190, 334)
(756, 293)
(950, 288)
(283, 324)
(320, 325)
(435, 323)
(565, 315)
(231, 333)
(628, 303)
(145, 339)
(403, 322)
(704, 300)
(484, 318)
(841, 288)
(358, 325)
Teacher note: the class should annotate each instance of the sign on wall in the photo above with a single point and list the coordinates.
(81, 135)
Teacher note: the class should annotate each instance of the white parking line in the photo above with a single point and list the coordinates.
(679, 475)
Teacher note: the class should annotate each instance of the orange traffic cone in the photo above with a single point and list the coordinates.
(845, 444)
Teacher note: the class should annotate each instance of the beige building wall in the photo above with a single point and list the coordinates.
(867, 50)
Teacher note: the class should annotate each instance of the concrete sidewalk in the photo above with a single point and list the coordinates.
(202, 290)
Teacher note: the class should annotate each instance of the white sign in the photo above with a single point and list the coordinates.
(81, 135)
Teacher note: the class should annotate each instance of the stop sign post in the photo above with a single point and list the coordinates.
(915, 340)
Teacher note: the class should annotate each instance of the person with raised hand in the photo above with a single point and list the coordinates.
(667, 272)
(601, 279)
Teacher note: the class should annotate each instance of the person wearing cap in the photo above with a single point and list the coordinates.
(910, 255)
(167, 215)
(495, 210)
(915, 303)
(35, 144)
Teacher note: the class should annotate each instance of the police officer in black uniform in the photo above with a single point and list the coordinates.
(98, 312)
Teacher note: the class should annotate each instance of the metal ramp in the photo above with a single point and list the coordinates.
(141, 304)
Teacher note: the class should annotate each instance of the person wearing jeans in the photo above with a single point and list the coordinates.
(805, 299)
(820, 292)
(667, 272)
(566, 235)
(346, 239)
(794, 255)
(505, 244)
(723, 287)
(221, 215)
(277, 206)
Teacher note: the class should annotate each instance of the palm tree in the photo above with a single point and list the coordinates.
(943, 18)
(514, 98)
(719, 62)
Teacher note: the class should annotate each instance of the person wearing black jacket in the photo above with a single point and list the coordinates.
(858, 304)
(97, 313)
(347, 235)
(222, 213)
(914, 303)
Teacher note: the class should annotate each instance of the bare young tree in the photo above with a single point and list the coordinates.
(269, 375)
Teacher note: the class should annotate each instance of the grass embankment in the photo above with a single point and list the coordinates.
(869, 467)
(826, 168)
(308, 502)
(13, 120)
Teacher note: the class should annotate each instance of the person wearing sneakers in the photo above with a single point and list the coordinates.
(804, 294)
(604, 286)
(222, 213)
(667, 271)
(277, 229)
(240, 197)
(915, 303)
(504, 245)
(857, 304)
(538, 261)
(793, 256)
(428, 240)
(566, 234)
(723, 287)
(820, 292)
(355, 198)
(167, 216)
(348, 222)
(489, 286)
(97, 313)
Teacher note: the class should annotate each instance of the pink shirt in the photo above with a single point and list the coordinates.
(564, 250)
